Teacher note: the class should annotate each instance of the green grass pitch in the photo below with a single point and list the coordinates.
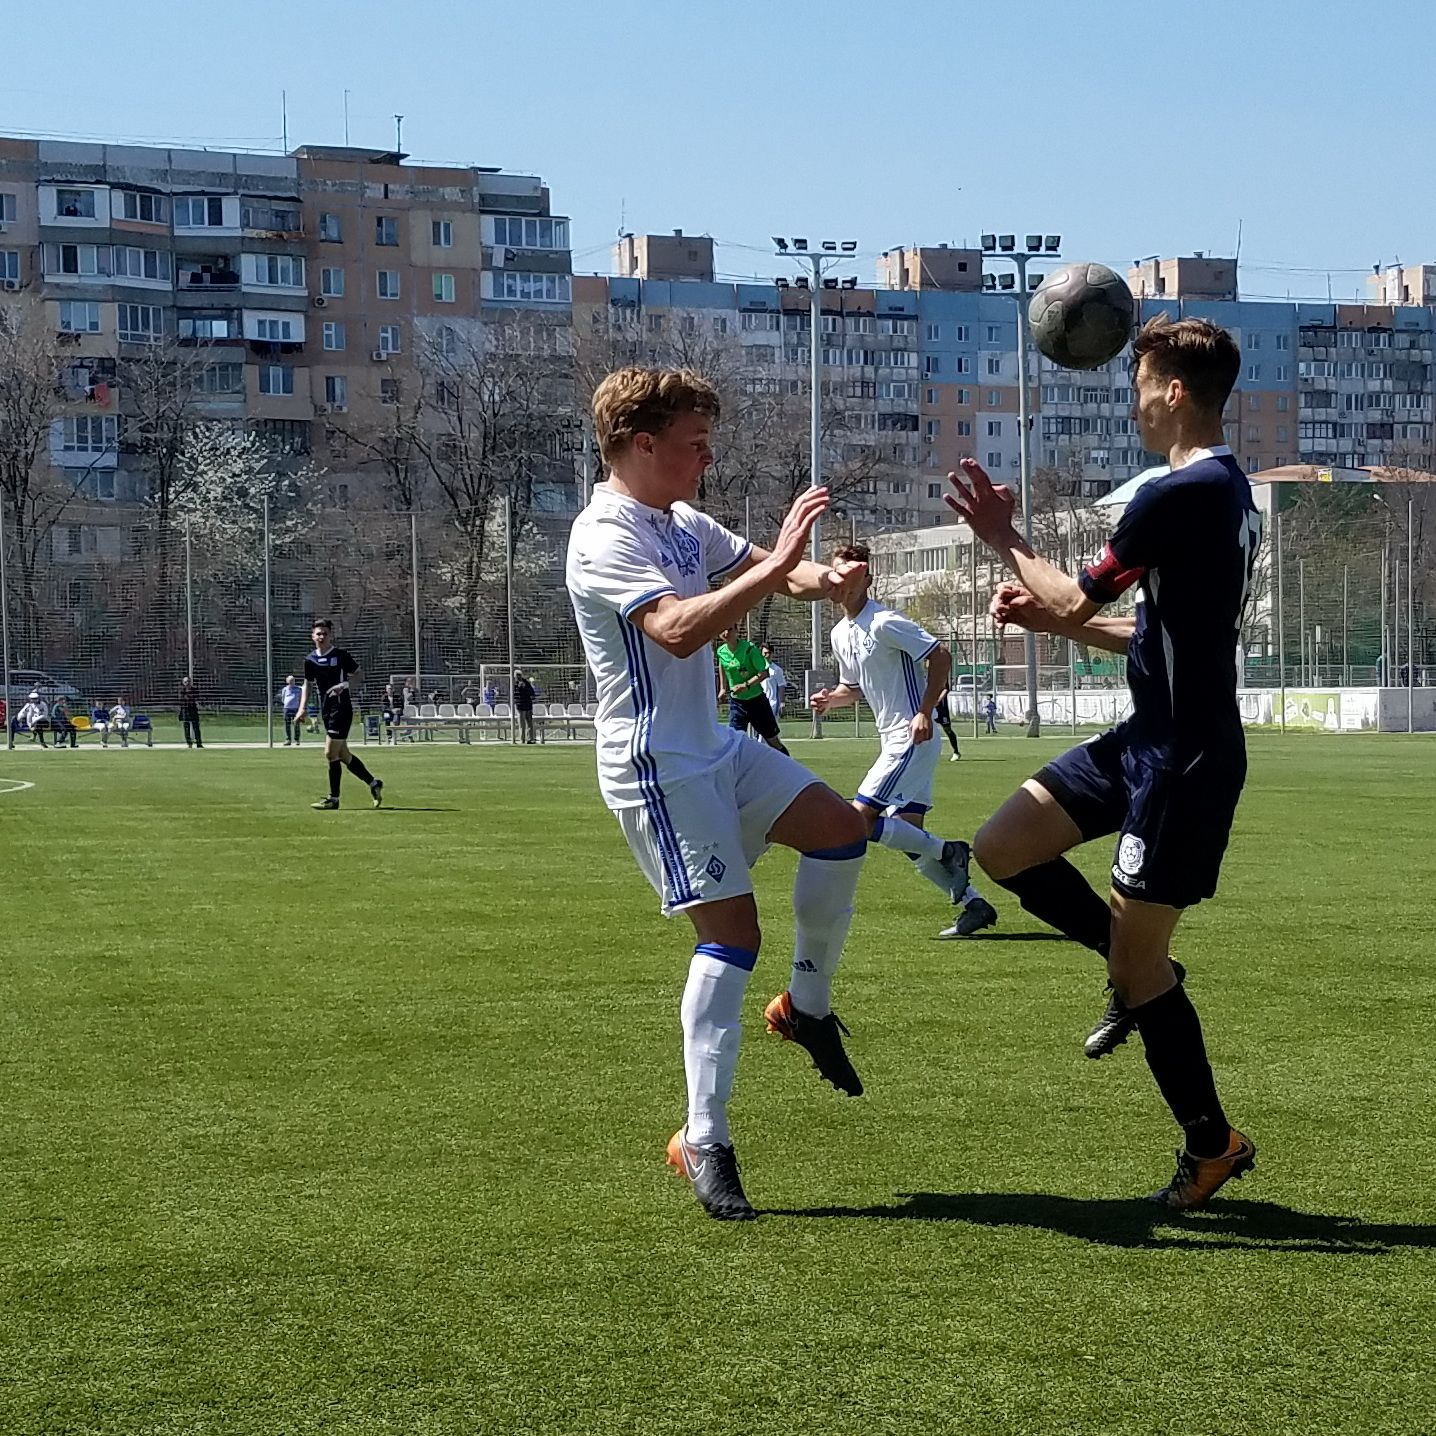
(352, 1123)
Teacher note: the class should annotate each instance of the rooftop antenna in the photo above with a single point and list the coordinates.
(346, 118)
(398, 134)
(1237, 265)
(284, 118)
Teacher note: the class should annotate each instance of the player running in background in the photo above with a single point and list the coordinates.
(698, 803)
(743, 676)
(942, 716)
(1168, 779)
(329, 670)
(878, 652)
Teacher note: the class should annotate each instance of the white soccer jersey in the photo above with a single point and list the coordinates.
(878, 651)
(657, 721)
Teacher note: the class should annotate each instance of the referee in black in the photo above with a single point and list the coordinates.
(329, 670)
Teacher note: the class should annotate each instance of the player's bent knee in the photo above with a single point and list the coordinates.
(732, 922)
(996, 851)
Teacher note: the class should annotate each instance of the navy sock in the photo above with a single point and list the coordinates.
(336, 771)
(1172, 1035)
(356, 766)
(1058, 894)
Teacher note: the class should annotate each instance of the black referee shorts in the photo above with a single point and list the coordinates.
(755, 713)
(336, 711)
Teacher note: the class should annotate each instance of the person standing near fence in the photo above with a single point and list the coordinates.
(289, 697)
(990, 712)
(942, 716)
(329, 669)
(188, 699)
(524, 706)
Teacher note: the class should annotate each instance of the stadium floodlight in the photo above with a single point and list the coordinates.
(831, 245)
(850, 246)
(800, 244)
(781, 243)
(989, 281)
(1006, 281)
(780, 282)
(1007, 243)
(1034, 281)
(830, 284)
(989, 243)
(851, 282)
(1052, 243)
(1033, 242)
(801, 281)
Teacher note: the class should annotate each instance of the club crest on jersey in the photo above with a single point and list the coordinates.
(677, 548)
(1131, 854)
(715, 869)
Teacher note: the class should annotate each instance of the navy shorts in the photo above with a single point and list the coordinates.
(337, 712)
(755, 713)
(1173, 824)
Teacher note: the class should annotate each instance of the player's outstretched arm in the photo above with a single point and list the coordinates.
(939, 673)
(1014, 604)
(843, 696)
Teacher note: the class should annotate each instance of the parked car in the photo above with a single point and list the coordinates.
(25, 681)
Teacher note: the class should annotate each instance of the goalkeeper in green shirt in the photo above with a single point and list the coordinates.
(741, 671)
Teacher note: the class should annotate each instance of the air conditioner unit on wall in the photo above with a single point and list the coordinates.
(321, 408)
(379, 355)
(320, 301)
(11, 285)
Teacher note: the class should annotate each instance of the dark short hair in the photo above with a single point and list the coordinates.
(1196, 351)
(853, 553)
(322, 623)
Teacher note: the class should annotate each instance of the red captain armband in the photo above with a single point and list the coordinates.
(1108, 579)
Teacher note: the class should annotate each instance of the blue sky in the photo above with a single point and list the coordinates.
(1131, 128)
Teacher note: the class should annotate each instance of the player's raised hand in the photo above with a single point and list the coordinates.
(986, 507)
(1012, 603)
(845, 580)
(793, 536)
(821, 701)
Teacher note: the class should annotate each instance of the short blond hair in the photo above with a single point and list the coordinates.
(646, 401)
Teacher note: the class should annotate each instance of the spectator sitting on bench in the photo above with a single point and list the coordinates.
(100, 722)
(61, 725)
(120, 722)
(36, 717)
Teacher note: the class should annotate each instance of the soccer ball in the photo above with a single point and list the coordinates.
(1081, 316)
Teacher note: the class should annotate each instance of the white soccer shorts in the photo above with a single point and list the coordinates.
(902, 776)
(696, 841)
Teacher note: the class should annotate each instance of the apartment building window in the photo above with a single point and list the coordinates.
(963, 364)
(964, 396)
(934, 491)
(7, 206)
(444, 288)
(391, 339)
(141, 263)
(206, 329)
(336, 391)
(752, 322)
(283, 436)
(994, 364)
(994, 398)
(793, 355)
(994, 459)
(720, 324)
(441, 233)
(1281, 433)
(1283, 403)
(1253, 373)
(994, 428)
(446, 341)
(79, 316)
(330, 230)
(931, 364)
(1253, 434)
(386, 229)
(275, 271)
(761, 354)
(994, 333)
(531, 233)
(1253, 402)
(199, 212)
(546, 288)
(388, 391)
(1283, 341)
(146, 208)
(1282, 373)
(387, 283)
(1251, 341)
(274, 218)
(10, 265)
(220, 379)
(930, 396)
(688, 324)
(87, 434)
(331, 283)
(277, 379)
(964, 428)
(141, 323)
(275, 331)
(934, 333)
(931, 429)
(964, 333)
(333, 336)
(77, 259)
(863, 324)
(75, 203)
(655, 323)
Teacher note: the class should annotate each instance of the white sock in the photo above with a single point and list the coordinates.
(712, 1002)
(907, 838)
(823, 910)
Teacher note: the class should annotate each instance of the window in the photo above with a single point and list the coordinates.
(386, 229)
(994, 333)
(931, 364)
(1281, 433)
(752, 322)
(9, 264)
(199, 212)
(1253, 373)
(75, 203)
(220, 379)
(391, 339)
(934, 333)
(275, 331)
(330, 230)
(272, 217)
(994, 364)
(556, 288)
(994, 459)
(720, 324)
(275, 271)
(333, 336)
(964, 396)
(87, 434)
(141, 323)
(331, 283)
(388, 391)
(387, 282)
(442, 234)
(276, 379)
(79, 316)
(1253, 434)
(283, 436)
(761, 354)
(77, 259)
(931, 429)
(1283, 341)
(964, 428)
(148, 208)
(964, 333)
(141, 263)
(934, 491)
(994, 398)
(206, 329)
(7, 206)
(1253, 402)
(336, 391)
(1282, 373)
(994, 428)
(1251, 341)
(930, 396)
(531, 233)
(963, 364)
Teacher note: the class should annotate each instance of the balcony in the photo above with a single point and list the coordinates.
(219, 274)
(272, 221)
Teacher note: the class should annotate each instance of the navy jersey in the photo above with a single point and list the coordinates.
(1190, 538)
(324, 670)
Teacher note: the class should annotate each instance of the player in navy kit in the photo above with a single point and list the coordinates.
(329, 670)
(1167, 780)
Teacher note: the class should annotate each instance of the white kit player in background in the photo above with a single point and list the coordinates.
(775, 682)
(698, 803)
(879, 653)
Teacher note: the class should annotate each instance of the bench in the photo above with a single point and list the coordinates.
(140, 726)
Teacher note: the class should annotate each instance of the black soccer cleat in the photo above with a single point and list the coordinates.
(326, 805)
(376, 791)
(713, 1173)
(1117, 1023)
(820, 1037)
(978, 914)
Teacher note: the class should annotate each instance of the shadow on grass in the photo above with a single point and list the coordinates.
(987, 935)
(1259, 1226)
(400, 808)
